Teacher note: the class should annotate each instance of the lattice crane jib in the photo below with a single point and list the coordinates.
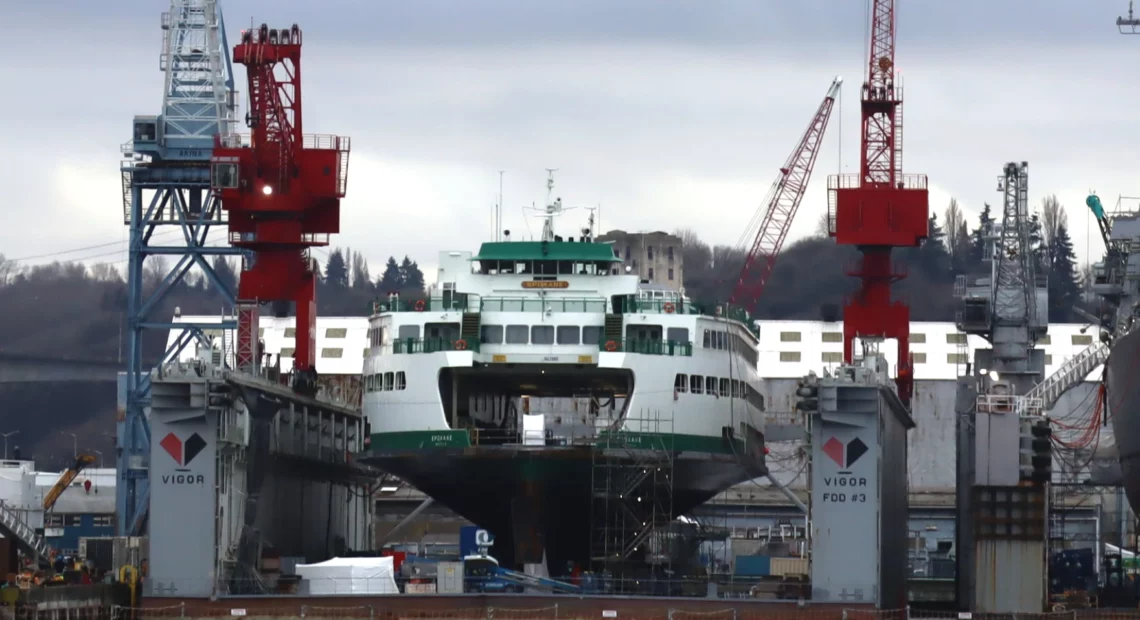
(281, 188)
(168, 205)
(880, 208)
(783, 201)
(1013, 267)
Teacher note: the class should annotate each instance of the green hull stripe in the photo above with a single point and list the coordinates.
(416, 440)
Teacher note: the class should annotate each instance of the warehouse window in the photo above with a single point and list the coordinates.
(918, 338)
(287, 351)
(1045, 340)
(832, 336)
(789, 356)
(681, 383)
(957, 358)
(332, 353)
(53, 520)
(789, 336)
(290, 332)
(919, 358)
(102, 521)
(336, 332)
(1082, 339)
(955, 338)
(72, 520)
(832, 357)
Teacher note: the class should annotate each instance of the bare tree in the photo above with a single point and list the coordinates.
(953, 219)
(106, 272)
(823, 225)
(1053, 218)
(8, 270)
(154, 270)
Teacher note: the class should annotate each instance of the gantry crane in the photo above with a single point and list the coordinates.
(282, 190)
(166, 187)
(880, 208)
(783, 201)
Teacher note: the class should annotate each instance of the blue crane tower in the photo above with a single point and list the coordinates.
(166, 185)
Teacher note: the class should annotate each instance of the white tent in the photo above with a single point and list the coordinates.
(350, 576)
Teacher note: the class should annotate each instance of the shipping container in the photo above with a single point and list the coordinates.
(449, 577)
(752, 566)
(784, 567)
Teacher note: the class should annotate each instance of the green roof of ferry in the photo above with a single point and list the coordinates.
(547, 250)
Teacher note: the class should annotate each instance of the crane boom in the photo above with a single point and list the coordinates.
(783, 201)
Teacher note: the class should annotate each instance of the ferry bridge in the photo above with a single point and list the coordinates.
(31, 368)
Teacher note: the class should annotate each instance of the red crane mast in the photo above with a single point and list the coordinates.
(783, 202)
(282, 191)
(880, 208)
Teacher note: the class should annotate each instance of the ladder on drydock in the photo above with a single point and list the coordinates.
(1070, 374)
(11, 524)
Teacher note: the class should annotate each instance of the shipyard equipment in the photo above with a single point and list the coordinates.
(879, 208)
(1004, 449)
(780, 208)
(168, 205)
(282, 190)
(66, 478)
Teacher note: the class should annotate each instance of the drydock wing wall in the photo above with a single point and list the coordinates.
(859, 496)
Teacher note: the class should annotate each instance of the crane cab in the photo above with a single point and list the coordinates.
(144, 136)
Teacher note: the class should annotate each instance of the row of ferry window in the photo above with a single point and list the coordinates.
(717, 386)
(385, 382)
(835, 357)
(920, 338)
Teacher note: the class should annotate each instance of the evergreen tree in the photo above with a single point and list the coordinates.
(336, 272)
(411, 278)
(389, 281)
(979, 239)
(226, 276)
(1064, 283)
(932, 256)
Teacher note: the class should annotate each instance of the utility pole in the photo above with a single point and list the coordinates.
(74, 444)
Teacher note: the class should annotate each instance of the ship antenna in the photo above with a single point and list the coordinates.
(552, 208)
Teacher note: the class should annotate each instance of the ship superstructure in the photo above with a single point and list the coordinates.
(495, 394)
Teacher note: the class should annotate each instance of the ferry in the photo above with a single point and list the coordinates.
(558, 401)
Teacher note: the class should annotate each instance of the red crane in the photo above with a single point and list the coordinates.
(783, 201)
(880, 208)
(282, 190)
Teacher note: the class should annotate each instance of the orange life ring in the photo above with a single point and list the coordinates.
(461, 345)
(420, 305)
(668, 307)
(611, 346)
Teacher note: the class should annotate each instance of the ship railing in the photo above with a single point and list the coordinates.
(647, 346)
(1024, 406)
(631, 304)
(550, 304)
(434, 345)
(853, 180)
(456, 303)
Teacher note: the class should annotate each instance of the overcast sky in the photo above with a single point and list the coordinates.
(667, 114)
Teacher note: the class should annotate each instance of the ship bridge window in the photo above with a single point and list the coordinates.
(569, 334)
(681, 383)
(592, 334)
(735, 388)
(518, 334)
(695, 383)
(409, 331)
(401, 381)
(710, 386)
(542, 334)
(491, 334)
(389, 380)
(678, 334)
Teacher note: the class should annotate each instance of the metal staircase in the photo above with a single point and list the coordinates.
(14, 527)
(1070, 374)
(613, 327)
(469, 330)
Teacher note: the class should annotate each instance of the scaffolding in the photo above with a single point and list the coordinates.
(632, 499)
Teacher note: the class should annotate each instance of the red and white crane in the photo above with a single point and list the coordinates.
(880, 208)
(282, 190)
(783, 201)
